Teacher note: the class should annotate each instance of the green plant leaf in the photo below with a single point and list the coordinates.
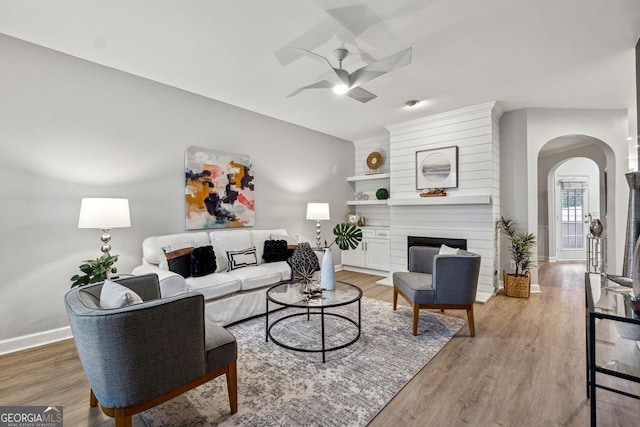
(348, 236)
(95, 270)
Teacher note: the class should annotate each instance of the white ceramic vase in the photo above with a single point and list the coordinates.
(328, 272)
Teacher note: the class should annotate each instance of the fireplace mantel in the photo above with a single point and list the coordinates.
(478, 199)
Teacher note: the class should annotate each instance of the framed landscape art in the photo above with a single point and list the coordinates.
(437, 168)
(219, 189)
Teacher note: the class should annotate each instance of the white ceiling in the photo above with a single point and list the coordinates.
(521, 53)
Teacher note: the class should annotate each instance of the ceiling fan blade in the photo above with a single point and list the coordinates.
(361, 95)
(312, 55)
(322, 84)
(343, 75)
(378, 68)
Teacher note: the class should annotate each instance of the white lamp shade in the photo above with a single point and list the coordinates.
(318, 211)
(104, 213)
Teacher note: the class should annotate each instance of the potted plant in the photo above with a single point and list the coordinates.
(521, 249)
(348, 236)
(95, 270)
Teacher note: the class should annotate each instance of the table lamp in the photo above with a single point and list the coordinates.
(104, 214)
(318, 212)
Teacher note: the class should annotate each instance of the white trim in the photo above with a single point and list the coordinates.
(34, 340)
(483, 297)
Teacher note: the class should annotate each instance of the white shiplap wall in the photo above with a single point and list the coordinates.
(475, 132)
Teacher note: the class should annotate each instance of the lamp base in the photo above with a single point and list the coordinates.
(318, 238)
(106, 238)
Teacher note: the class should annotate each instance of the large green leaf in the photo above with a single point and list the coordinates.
(347, 236)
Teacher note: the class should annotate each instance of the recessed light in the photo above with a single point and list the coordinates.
(412, 103)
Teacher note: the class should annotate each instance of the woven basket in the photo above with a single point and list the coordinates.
(516, 286)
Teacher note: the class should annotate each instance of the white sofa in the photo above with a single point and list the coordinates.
(230, 296)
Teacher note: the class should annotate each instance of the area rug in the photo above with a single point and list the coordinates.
(280, 387)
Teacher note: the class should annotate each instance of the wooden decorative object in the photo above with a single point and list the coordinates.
(433, 192)
(374, 161)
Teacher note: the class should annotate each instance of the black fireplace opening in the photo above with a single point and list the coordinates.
(436, 242)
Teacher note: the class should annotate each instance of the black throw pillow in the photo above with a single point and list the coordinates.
(179, 261)
(275, 250)
(203, 261)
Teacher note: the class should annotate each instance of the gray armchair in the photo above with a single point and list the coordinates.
(141, 355)
(438, 281)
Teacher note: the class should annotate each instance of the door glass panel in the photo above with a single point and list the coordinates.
(572, 223)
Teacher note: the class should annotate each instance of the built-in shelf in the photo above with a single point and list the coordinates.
(481, 199)
(368, 177)
(366, 202)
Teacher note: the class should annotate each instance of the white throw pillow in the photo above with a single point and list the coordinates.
(243, 258)
(446, 250)
(114, 295)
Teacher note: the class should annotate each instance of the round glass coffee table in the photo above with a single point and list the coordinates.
(289, 295)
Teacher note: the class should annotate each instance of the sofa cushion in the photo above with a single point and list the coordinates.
(152, 252)
(291, 240)
(228, 240)
(416, 286)
(214, 285)
(280, 267)
(114, 295)
(256, 277)
(258, 237)
(242, 258)
(203, 261)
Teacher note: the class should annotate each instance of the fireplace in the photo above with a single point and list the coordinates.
(436, 242)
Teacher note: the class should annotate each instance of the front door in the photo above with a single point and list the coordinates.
(572, 225)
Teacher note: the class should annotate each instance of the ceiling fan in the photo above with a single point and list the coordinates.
(349, 83)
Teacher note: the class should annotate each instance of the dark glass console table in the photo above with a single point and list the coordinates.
(613, 339)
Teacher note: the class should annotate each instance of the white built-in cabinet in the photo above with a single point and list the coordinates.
(372, 252)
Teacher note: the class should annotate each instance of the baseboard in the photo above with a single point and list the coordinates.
(34, 340)
(366, 270)
(534, 288)
(387, 281)
(483, 297)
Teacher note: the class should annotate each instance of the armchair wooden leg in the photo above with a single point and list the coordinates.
(93, 400)
(472, 327)
(122, 419)
(416, 313)
(232, 386)
(395, 298)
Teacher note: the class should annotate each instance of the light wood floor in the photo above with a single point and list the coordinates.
(524, 367)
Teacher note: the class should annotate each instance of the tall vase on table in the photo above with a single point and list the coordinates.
(328, 272)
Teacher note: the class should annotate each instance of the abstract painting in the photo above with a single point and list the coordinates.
(437, 168)
(219, 189)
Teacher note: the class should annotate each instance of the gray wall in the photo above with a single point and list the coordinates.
(71, 129)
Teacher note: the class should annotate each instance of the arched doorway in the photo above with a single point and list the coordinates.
(574, 197)
(572, 173)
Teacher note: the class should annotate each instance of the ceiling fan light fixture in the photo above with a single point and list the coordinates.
(340, 89)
